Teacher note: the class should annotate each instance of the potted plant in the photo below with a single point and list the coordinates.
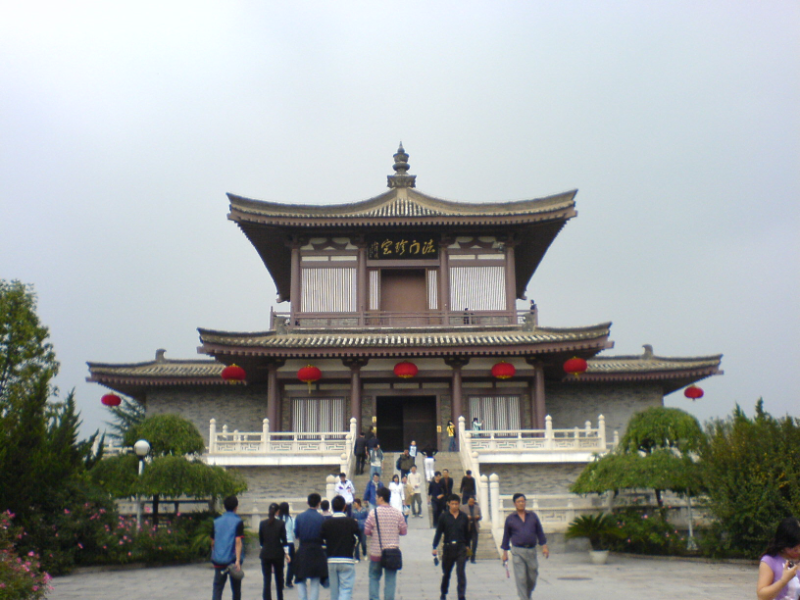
(599, 529)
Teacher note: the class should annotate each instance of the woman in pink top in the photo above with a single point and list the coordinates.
(777, 573)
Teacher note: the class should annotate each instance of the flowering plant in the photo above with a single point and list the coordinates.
(21, 577)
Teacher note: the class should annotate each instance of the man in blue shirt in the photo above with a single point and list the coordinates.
(370, 494)
(523, 530)
(226, 549)
(311, 564)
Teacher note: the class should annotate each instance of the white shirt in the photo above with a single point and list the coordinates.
(346, 490)
(398, 495)
(415, 479)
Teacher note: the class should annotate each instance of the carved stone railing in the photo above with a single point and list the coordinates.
(579, 442)
(379, 319)
(252, 448)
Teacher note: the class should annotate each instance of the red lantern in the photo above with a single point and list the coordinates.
(503, 370)
(233, 373)
(693, 392)
(405, 369)
(111, 400)
(575, 366)
(309, 374)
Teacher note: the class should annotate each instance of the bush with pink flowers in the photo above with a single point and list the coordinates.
(21, 577)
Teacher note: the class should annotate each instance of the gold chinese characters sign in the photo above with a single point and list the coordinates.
(403, 246)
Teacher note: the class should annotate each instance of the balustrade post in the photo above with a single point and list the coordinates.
(265, 436)
(576, 442)
(237, 441)
(588, 426)
(330, 487)
(483, 497)
(255, 518)
(535, 503)
(494, 500)
(616, 438)
(548, 432)
(601, 432)
(322, 447)
(212, 437)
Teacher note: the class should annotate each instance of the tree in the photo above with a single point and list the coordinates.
(656, 452)
(127, 415)
(175, 470)
(27, 360)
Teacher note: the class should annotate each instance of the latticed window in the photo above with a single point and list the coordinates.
(495, 412)
(477, 288)
(318, 414)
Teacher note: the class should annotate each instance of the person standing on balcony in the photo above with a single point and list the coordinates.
(523, 530)
(360, 452)
(346, 489)
(451, 436)
(415, 481)
(477, 425)
(375, 460)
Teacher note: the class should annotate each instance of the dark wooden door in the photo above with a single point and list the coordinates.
(419, 421)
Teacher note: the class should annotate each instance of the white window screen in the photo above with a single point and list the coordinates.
(433, 290)
(329, 290)
(374, 290)
(318, 414)
(477, 288)
(496, 412)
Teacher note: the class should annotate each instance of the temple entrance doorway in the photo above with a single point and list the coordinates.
(405, 418)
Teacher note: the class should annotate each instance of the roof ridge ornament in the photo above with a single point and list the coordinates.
(401, 179)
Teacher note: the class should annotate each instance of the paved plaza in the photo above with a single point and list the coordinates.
(562, 577)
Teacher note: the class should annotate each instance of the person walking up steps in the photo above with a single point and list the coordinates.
(523, 531)
(415, 481)
(454, 525)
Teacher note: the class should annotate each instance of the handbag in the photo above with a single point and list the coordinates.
(391, 558)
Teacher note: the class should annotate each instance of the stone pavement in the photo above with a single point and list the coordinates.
(562, 576)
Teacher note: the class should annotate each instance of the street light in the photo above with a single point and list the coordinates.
(142, 449)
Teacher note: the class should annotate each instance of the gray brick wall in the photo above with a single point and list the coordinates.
(240, 407)
(534, 478)
(572, 404)
(276, 484)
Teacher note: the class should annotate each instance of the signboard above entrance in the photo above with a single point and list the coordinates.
(403, 246)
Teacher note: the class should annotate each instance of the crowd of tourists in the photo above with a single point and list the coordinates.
(320, 547)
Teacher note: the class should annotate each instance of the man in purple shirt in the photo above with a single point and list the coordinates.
(523, 530)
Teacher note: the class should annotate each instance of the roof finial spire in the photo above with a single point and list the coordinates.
(402, 178)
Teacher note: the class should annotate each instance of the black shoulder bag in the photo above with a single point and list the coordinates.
(391, 558)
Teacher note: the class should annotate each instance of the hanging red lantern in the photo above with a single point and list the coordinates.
(575, 366)
(693, 392)
(111, 400)
(503, 370)
(309, 374)
(233, 373)
(405, 369)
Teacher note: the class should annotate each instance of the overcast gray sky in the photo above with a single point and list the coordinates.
(123, 124)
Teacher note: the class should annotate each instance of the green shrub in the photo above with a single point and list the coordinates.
(644, 531)
(601, 530)
(21, 577)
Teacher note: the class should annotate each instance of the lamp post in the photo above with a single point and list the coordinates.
(142, 449)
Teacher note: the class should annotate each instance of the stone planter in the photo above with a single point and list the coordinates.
(599, 557)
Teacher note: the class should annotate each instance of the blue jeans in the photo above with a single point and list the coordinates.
(220, 578)
(375, 572)
(452, 447)
(342, 578)
(308, 588)
(373, 470)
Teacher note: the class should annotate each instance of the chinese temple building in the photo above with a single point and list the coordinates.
(402, 314)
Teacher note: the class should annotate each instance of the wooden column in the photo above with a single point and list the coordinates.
(456, 402)
(295, 287)
(362, 285)
(274, 395)
(355, 364)
(539, 412)
(511, 281)
(444, 279)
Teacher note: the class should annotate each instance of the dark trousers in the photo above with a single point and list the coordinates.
(454, 554)
(362, 545)
(220, 578)
(360, 460)
(290, 566)
(267, 567)
(473, 544)
(437, 511)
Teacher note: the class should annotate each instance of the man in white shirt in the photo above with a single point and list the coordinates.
(345, 488)
(415, 481)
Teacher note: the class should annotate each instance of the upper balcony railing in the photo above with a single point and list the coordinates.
(380, 319)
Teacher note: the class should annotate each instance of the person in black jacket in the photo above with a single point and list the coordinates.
(340, 534)
(274, 550)
(454, 525)
(360, 451)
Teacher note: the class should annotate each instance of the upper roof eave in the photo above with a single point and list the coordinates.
(412, 207)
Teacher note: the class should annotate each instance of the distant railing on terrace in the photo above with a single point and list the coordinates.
(585, 439)
(400, 319)
(279, 442)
